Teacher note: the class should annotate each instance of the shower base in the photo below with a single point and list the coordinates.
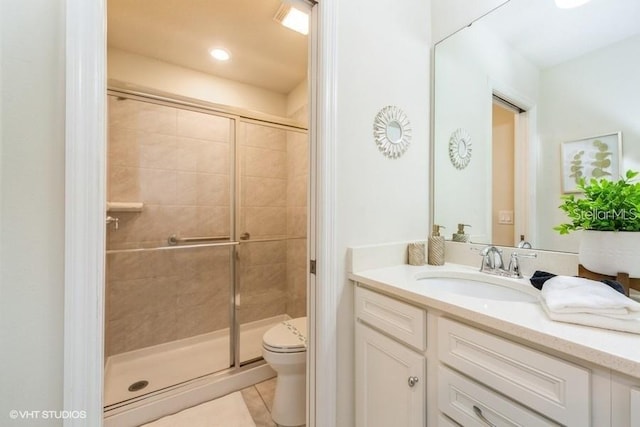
(172, 363)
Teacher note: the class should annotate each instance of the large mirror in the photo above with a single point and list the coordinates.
(528, 83)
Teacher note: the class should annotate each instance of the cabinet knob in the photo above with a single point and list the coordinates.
(412, 381)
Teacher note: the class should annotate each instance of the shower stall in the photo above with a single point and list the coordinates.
(206, 240)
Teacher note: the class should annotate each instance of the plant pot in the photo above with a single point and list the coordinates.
(610, 252)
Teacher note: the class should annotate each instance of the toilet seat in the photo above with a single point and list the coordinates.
(289, 336)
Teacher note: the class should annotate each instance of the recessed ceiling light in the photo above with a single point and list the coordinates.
(568, 4)
(293, 18)
(220, 54)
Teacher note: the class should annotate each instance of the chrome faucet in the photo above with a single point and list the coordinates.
(523, 244)
(491, 260)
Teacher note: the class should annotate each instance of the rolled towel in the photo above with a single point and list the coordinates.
(565, 295)
(540, 277)
(597, 321)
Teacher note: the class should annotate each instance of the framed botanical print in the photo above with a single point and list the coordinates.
(595, 157)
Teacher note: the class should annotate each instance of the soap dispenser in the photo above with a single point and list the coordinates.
(460, 236)
(436, 247)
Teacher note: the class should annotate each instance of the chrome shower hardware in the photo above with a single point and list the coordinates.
(113, 220)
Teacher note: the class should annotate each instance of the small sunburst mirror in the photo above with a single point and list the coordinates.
(460, 148)
(392, 131)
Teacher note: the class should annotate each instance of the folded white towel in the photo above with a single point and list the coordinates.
(603, 322)
(569, 295)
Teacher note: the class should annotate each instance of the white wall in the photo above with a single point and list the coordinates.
(588, 96)
(163, 76)
(383, 59)
(451, 15)
(32, 207)
(469, 67)
(384, 50)
(298, 98)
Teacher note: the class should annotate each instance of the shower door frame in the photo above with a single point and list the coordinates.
(288, 126)
(238, 117)
(130, 93)
(85, 196)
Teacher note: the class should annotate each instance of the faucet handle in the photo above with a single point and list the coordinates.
(514, 264)
(515, 254)
(488, 249)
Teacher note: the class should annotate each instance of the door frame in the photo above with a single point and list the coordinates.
(525, 184)
(85, 199)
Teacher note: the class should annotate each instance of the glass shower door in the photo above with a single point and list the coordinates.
(170, 257)
(271, 225)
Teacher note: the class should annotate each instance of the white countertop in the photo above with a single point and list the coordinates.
(619, 351)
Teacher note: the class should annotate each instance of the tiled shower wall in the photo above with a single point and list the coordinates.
(297, 191)
(263, 201)
(177, 163)
(273, 191)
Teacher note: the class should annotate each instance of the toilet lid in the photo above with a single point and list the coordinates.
(287, 337)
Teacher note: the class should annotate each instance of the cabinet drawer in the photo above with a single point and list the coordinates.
(402, 321)
(553, 387)
(444, 421)
(468, 403)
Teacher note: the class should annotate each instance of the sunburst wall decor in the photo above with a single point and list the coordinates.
(392, 131)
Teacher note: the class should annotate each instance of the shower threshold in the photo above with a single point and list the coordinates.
(171, 363)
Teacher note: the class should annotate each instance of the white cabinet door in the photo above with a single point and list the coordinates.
(625, 401)
(385, 371)
(635, 407)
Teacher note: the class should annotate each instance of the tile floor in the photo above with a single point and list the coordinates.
(259, 399)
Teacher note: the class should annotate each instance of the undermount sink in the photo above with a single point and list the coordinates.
(478, 289)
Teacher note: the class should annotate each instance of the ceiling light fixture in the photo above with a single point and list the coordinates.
(293, 18)
(220, 54)
(569, 4)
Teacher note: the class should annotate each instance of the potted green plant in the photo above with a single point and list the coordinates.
(609, 214)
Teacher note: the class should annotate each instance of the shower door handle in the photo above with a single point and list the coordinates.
(173, 240)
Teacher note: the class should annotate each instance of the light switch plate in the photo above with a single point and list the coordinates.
(505, 217)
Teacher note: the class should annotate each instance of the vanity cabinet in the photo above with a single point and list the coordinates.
(390, 339)
(476, 378)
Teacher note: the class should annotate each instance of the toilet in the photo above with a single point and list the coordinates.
(284, 348)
